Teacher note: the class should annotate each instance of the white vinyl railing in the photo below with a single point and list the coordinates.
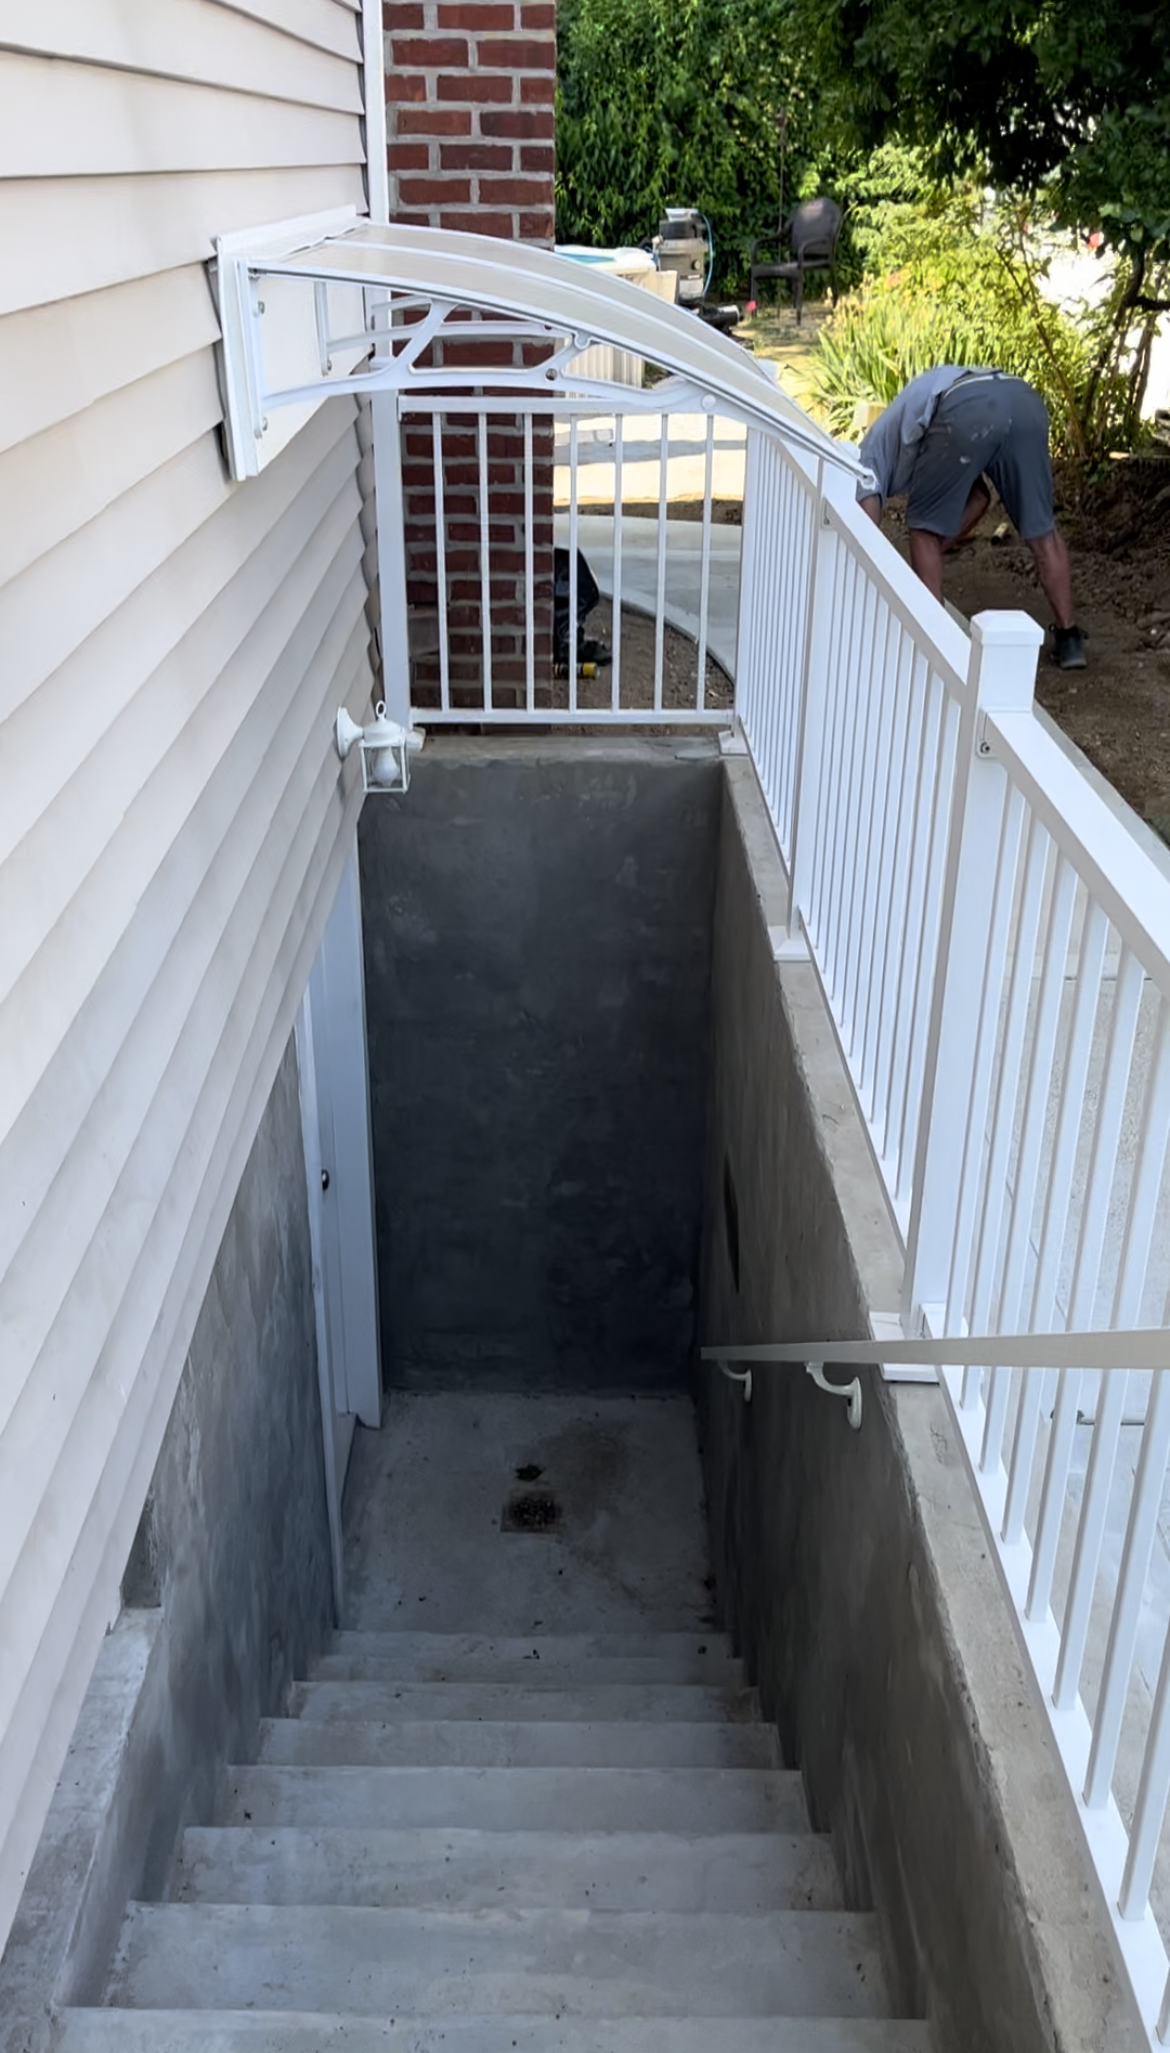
(487, 537)
(993, 944)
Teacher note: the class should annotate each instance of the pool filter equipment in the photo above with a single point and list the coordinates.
(684, 244)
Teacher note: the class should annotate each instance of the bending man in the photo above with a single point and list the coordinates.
(945, 434)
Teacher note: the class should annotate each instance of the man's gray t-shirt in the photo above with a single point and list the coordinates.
(890, 448)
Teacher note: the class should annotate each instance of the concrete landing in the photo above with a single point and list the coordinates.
(426, 1499)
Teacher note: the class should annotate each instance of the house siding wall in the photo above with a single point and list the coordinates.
(228, 1596)
(173, 819)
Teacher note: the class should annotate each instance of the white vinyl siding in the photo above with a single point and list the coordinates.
(173, 817)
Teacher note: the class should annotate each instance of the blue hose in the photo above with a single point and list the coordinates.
(710, 253)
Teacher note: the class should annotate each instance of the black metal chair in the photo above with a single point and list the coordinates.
(812, 237)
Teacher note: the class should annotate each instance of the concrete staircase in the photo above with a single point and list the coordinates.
(573, 1844)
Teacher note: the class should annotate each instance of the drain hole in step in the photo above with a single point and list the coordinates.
(531, 1511)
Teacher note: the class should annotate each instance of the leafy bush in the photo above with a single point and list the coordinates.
(678, 103)
(950, 287)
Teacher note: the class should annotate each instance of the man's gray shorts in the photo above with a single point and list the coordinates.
(986, 426)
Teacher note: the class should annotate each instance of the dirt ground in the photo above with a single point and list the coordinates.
(1118, 709)
(680, 665)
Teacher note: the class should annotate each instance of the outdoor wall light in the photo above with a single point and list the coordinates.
(386, 748)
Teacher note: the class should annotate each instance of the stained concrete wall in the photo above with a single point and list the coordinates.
(233, 1563)
(852, 1568)
(538, 934)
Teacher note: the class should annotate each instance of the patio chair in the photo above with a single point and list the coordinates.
(812, 237)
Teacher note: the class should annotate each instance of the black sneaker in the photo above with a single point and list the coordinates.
(1068, 648)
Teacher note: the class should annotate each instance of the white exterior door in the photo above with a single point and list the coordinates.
(335, 1117)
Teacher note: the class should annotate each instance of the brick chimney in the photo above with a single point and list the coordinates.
(469, 115)
(470, 88)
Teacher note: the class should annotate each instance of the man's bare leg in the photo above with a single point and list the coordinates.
(973, 513)
(926, 559)
(927, 550)
(1050, 555)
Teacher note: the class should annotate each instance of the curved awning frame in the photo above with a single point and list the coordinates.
(338, 305)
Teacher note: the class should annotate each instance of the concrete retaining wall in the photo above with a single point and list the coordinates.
(229, 1588)
(852, 1568)
(538, 934)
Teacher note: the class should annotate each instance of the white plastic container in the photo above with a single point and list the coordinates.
(637, 267)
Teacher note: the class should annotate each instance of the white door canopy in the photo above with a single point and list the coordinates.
(337, 304)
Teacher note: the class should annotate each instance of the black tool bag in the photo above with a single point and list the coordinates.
(588, 593)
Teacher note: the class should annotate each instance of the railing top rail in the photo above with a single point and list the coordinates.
(1119, 874)
(1113, 1347)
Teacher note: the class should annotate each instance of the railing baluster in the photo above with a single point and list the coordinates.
(803, 627)
(1090, 1528)
(1145, 1505)
(391, 545)
(615, 683)
(1037, 1086)
(1023, 1455)
(1037, 851)
(986, 1035)
(926, 958)
(660, 599)
(705, 567)
(1149, 1811)
(877, 658)
(574, 503)
(441, 564)
(1106, 1139)
(1053, 1496)
(880, 864)
(485, 566)
(529, 573)
(838, 630)
(894, 958)
(1069, 1116)
(1000, 1383)
(781, 572)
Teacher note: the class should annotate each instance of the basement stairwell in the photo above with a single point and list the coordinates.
(526, 1803)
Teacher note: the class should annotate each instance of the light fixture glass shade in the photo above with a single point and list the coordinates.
(385, 749)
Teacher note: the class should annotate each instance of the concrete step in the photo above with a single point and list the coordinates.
(462, 1870)
(588, 1703)
(504, 1743)
(519, 1800)
(430, 1964)
(273, 2031)
(571, 1650)
(551, 1665)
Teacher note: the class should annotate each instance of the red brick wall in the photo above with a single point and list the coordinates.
(469, 90)
(469, 116)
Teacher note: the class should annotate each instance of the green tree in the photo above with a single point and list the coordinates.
(678, 103)
(1070, 94)
(1064, 107)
